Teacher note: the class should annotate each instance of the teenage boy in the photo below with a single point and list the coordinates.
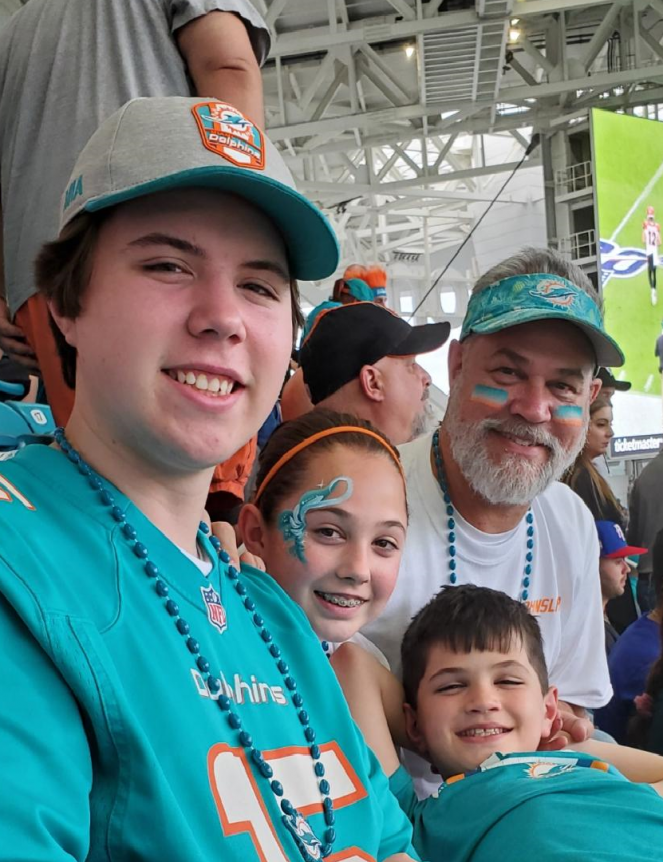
(613, 570)
(477, 704)
(156, 704)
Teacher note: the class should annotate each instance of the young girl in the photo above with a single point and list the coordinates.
(329, 520)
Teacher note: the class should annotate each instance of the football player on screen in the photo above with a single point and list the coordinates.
(651, 237)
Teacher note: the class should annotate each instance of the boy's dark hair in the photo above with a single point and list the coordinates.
(467, 618)
(62, 273)
(290, 434)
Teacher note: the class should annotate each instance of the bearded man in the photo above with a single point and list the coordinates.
(485, 504)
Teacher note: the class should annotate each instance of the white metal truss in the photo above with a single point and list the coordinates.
(401, 117)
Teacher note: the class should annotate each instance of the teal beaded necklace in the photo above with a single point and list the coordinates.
(310, 846)
(451, 524)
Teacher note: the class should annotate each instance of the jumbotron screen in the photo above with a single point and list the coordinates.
(628, 177)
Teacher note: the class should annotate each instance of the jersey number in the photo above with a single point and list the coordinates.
(242, 809)
(12, 493)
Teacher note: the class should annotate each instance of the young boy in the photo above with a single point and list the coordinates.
(154, 702)
(477, 704)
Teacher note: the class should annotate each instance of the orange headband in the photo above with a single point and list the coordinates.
(328, 432)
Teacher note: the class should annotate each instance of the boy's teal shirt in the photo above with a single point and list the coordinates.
(539, 806)
(111, 745)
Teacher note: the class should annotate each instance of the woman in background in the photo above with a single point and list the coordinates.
(585, 479)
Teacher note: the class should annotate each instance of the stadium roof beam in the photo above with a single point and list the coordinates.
(529, 8)
(653, 43)
(605, 29)
(379, 29)
(387, 27)
(373, 118)
(417, 183)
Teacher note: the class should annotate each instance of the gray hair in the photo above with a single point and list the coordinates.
(530, 260)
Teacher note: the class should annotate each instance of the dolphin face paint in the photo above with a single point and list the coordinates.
(292, 522)
(489, 396)
(569, 414)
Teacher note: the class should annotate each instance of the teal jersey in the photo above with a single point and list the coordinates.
(112, 746)
(544, 806)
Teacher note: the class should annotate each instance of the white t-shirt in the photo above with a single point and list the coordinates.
(564, 592)
(205, 564)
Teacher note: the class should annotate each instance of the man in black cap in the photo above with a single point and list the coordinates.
(361, 359)
(611, 384)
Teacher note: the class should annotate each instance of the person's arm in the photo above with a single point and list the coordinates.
(366, 692)
(12, 339)
(396, 833)
(643, 767)
(3, 295)
(46, 764)
(220, 59)
(572, 724)
(580, 669)
(230, 543)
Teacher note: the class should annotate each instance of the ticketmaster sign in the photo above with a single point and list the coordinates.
(636, 446)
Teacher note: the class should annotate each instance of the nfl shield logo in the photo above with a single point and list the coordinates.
(215, 611)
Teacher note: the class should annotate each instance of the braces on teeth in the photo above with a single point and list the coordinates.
(341, 601)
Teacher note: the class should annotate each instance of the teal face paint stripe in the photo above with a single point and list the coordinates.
(569, 414)
(491, 396)
(292, 522)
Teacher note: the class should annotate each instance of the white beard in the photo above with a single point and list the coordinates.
(512, 481)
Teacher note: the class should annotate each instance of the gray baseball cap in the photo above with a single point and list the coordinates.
(158, 144)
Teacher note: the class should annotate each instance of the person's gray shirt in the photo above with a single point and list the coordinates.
(646, 510)
(659, 351)
(65, 66)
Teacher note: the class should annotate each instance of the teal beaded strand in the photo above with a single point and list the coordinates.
(451, 525)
